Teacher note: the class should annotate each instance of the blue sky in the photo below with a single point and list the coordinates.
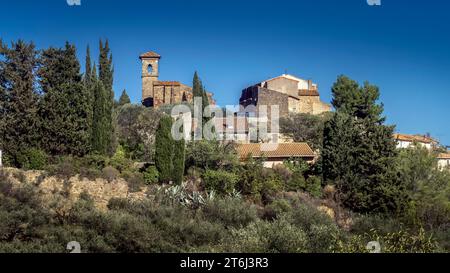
(403, 46)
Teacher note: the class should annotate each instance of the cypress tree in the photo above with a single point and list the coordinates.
(88, 68)
(178, 161)
(124, 98)
(197, 89)
(101, 124)
(106, 77)
(19, 98)
(65, 108)
(164, 147)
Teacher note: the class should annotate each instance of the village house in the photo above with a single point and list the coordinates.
(444, 160)
(289, 93)
(276, 154)
(405, 141)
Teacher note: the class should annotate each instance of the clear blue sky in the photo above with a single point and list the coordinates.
(403, 46)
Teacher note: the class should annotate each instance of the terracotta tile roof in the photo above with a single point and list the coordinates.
(150, 54)
(307, 92)
(173, 83)
(412, 138)
(284, 150)
(444, 156)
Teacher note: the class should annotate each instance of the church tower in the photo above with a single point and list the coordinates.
(150, 74)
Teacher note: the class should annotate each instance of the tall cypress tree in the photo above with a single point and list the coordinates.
(164, 146)
(88, 68)
(101, 123)
(197, 89)
(359, 151)
(65, 108)
(19, 98)
(179, 156)
(106, 77)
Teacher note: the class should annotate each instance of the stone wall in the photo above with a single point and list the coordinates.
(283, 85)
(100, 190)
(258, 96)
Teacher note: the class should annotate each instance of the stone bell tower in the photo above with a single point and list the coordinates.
(150, 74)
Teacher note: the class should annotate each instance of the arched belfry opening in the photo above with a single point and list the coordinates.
(150, 69)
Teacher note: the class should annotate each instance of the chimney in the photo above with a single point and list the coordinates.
(310, 87)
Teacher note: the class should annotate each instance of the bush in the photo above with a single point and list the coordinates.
(231, 212)
(221, 182)
(110, 174)
(314, 186)
(277, 208)
(120, 162)
(134, 180)
(94, 161)
(32, 159)
(151, 175)
(268, 237)
(296, 183)
(65, 169)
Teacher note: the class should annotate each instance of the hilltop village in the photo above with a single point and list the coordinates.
(291, 94)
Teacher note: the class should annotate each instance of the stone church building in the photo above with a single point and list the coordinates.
(291, 94)
(155, 92)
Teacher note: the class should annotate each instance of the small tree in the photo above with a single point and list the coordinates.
(124, 98)
(178, 161)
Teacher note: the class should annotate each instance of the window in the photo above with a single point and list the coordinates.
(149, 69)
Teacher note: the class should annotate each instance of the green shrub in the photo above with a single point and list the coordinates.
(400, 241)
(151, 175)
(277, 208)
(278, 236)
(37, 159)
(314, 186)
(134, 180)
(90, 173)
(65, 169)
(231, 212)
(110, 173)
(221, 182)
(323, 238)
(94, 161)
(305, 216)
(296, 183)
(32, 159)
(119, 161)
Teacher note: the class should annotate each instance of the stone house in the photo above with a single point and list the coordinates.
(444, 160)
(405, 141)
(155, 92)
(291, 94)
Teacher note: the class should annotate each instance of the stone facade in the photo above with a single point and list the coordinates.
(155, 92)
(293, 95)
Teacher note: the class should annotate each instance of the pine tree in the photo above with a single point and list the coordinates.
(65, 109)
(178, 161)
(164, 147)
(359, 151)
(124, 98)
(18, 106)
